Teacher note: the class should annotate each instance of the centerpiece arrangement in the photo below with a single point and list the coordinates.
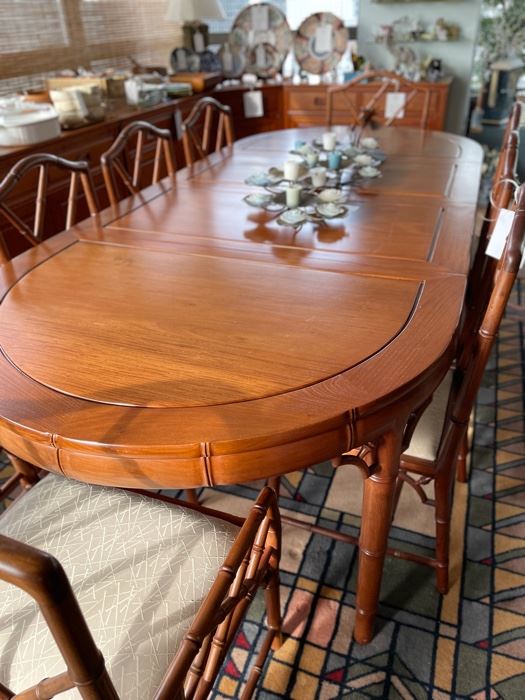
(314, 183)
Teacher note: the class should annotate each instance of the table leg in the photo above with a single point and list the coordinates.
(378, 500)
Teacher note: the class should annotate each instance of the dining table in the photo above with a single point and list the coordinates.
(185, 339)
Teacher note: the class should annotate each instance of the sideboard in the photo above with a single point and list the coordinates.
(284, 106)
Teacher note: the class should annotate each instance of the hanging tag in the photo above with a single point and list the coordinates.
(260, 18)
(177, 118)
(323, 39)
(253, 104)
(260, 56)
(227, 61)
(198, 42)
(500, 232)
(182, 63)
(395, 105)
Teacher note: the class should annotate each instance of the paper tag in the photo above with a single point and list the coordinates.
(198, 42)
(253, 103)
(500, 232)
(182, 63)
(260, 56)
(227, 61)
(260, 18)
(323, 39)
(177, 118)
(395, 105)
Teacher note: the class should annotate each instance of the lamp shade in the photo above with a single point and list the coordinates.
(191, 10)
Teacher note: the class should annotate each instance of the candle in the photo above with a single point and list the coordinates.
(293, 196)
(334, 160)
(318, 176)
(329, 141)
(291, 170)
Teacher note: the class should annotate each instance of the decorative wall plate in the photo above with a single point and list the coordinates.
(320, 42)
(183, 60)
(233, 60)
(265, 60)
(262, 23)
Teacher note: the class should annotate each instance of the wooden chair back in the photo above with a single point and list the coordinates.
(499, 280)
(198, 129)
(503, 187)
(119, 166)
(511, 130)
(41, 162)
(373, 111)
(252, 562)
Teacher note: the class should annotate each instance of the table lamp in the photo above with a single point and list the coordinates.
(192, 13)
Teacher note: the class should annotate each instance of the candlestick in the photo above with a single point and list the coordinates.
(293, 196)
(329, 141)
(291, 170)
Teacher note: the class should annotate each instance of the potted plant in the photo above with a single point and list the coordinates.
(502, 41)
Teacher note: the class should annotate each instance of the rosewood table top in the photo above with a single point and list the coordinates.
(187, 339)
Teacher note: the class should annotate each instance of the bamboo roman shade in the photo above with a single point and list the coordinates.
(37, 38)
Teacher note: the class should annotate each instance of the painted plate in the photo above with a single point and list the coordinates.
(262, 23)
(233, 60)
(265, 61)
(320, 42)
(183, 60)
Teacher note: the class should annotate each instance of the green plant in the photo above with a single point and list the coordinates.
(502, 30)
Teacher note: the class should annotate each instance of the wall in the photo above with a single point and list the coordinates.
(457, 57)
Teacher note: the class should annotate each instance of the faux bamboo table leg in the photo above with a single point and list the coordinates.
(378, 500)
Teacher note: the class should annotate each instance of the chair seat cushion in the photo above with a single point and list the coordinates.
(139, 567)
(427, 435)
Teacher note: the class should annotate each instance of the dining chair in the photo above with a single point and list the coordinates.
(373, 111)
(198, 129)
(32, 172)
(435, 431)
(161, 587)
(436, 434)
(119, 161)
(39, 165)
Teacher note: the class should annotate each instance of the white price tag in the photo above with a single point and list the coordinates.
(177, 117)
(182, 63)
(395, 105)
(260, 56)
(260, 18)
(253, 103)
(500, 232)
(227, 61)
(323, 39)
(198, 42)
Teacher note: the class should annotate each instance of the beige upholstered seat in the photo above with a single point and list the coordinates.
(138, 597)
(427, 435)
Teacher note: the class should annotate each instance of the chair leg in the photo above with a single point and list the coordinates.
(273, 639)
(443, 485)
(191, 496)
(25, 476)
(461, 466)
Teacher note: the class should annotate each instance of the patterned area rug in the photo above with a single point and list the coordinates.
(469, 644)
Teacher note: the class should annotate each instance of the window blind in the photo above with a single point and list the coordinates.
(39, 38)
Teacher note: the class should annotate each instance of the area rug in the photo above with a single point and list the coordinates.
(468, 644)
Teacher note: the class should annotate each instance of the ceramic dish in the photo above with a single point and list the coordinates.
(233, 60)
(263, 179)
(331, 210)
(264, 60)
(183, 60)
(330, 195)
(262, 23)
(293, 217)
(319, 49)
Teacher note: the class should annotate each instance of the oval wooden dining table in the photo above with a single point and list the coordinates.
(186, 339)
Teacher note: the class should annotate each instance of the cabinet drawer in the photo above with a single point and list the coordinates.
(307, 100)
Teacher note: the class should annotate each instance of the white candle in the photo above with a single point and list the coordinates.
(329, 141)
(293, 196)
(291, 170)
(318, 176)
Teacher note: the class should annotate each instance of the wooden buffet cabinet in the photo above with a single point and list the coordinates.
(285, 106)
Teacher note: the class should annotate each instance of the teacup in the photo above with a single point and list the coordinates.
(318, 176)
